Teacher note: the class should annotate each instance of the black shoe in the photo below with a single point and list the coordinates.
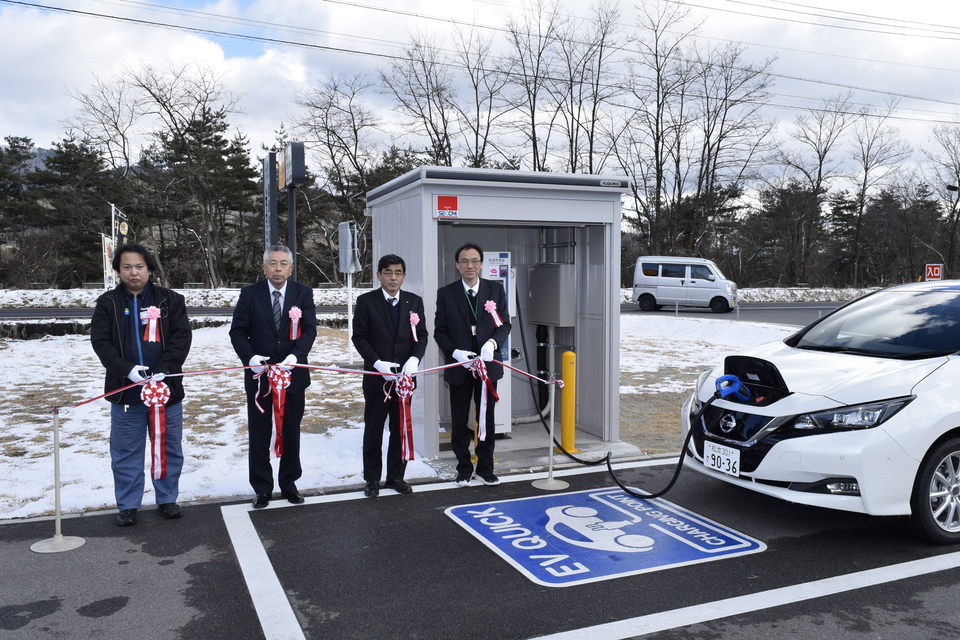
(463, 480)
(170, 510)
(293, 496)
(400, 486)
(489, 479)
(127, 518)
(262, 500)
(372, 490)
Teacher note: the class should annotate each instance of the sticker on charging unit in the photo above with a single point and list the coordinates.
(447, 207)
(560, 540)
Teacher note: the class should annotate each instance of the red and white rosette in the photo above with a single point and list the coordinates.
(155, 396)
(404, 388)
(295, 315)
(479, 370)
(491, 307)
(279, 381)
(414, 321)
(152, 331)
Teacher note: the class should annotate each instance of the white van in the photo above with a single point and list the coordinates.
(660, 281)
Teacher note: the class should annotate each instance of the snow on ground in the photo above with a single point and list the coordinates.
(41, 298)
(64, 370)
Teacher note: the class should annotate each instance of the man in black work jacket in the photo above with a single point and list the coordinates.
(140, 330)
(384, 326)
(464, 329)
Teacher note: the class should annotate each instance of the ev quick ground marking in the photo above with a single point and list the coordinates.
(560, 540)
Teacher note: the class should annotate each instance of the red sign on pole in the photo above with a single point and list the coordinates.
(934, 272)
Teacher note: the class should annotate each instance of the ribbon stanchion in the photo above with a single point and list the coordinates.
(58, 542)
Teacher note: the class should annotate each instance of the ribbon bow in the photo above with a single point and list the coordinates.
(295, 315)
(479, 370)
(279, 381)
(155, 396)
(491, 307)
(404, 389)
(414, 321)
(152, 331)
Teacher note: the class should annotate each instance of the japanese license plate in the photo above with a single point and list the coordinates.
(722, 458)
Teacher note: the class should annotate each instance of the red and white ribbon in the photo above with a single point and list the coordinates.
(479, 370)
(155, 396)
(404, 387)
(491, 307)
(279, 381)
(295, 315)
(152, 331)
(414, 321)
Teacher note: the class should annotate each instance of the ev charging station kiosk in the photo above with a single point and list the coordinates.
(552, 239)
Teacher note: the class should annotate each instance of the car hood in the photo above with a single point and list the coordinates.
(844, 377)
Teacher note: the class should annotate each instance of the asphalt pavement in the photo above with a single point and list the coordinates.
(344, 566)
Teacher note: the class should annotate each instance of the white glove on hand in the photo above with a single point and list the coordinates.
(257, 363)
(386, 367)
(410, 366)
(158, 377)
(486, 351)
(463, 357)
(288, 363)
(134, 375)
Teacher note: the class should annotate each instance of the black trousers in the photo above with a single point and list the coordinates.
(375, 413)
(260, 426)
(463, 426)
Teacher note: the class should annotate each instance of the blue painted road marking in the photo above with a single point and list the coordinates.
(559, 540)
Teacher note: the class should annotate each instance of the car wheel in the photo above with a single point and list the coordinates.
(719, 305)
(647, 303)
(935, 502)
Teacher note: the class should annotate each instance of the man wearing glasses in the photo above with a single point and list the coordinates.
(388, 329)
(464, 329)
(274, 322)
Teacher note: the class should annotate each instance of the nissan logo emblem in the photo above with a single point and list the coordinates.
(728, 423)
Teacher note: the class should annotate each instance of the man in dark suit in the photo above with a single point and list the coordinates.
(383, 333)
(274, 322)
(463, 328)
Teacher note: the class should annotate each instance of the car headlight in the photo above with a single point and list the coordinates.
(863, 416)
(695, 404)
(730, 288)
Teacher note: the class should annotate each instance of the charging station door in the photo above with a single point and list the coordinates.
(496, 266)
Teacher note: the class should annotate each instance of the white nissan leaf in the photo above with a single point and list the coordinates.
(859, 411)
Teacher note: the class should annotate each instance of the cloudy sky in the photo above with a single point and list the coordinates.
(908, 51)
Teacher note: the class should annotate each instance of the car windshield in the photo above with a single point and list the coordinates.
(895, 323)
(717, 270)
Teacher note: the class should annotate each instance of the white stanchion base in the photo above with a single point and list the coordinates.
(56, 544)
(550, 484)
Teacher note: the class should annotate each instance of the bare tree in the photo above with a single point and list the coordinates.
(530, 67)
(584, 84)
(944, 156)
(421, 83)
(109, 114)
(477, 117)
(876, 148)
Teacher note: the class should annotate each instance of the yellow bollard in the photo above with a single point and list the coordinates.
(568, 402)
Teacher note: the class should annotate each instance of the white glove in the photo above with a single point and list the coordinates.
(257, 363)
(134, 375)
(386, 367)
(463, 357)
(410, 366)
(158, 377)
(288, 363)
(486, 351)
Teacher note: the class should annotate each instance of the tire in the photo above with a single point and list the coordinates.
(935, 501)
(719, 305)
(647, 302)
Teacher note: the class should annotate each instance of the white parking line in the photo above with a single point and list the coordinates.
(279, 622)
(755, 602)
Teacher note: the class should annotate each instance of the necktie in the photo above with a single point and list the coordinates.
(393, 301)
(472, 293)
(276, 309)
